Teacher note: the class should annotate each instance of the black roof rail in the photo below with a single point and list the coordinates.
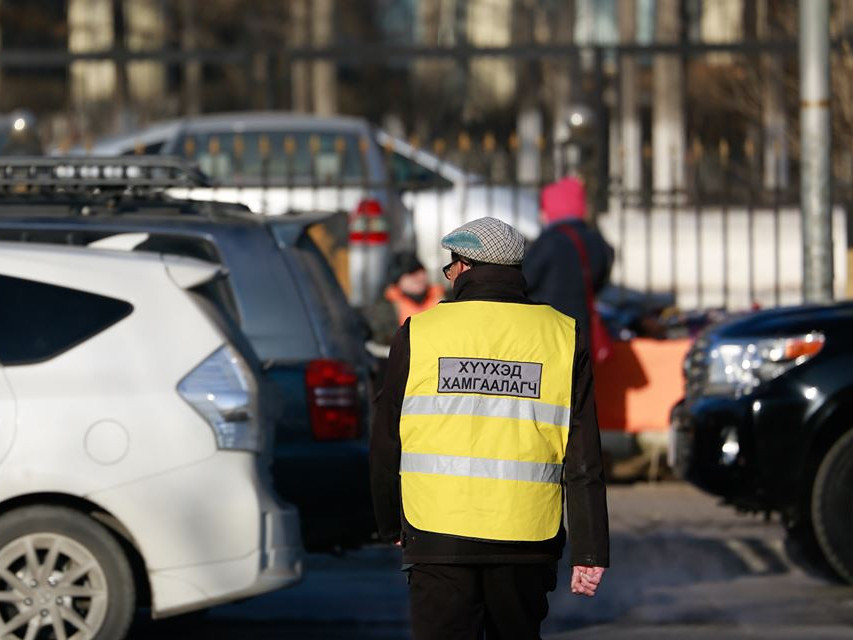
(74, 174)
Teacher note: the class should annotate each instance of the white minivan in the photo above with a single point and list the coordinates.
(131, 440)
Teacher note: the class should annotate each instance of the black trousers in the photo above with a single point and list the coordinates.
(472, 602)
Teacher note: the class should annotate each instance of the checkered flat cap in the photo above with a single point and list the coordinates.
(486, 240)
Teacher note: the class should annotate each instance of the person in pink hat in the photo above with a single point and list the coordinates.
(563, 199)
(570, 262)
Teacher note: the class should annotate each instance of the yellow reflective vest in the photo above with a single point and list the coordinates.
(485, 420)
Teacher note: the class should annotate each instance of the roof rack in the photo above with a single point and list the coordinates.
(93, 173)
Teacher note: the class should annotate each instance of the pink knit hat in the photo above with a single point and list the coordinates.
(564, 199)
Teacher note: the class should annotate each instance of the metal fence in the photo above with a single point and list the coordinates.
(719, 239)
(721, 243)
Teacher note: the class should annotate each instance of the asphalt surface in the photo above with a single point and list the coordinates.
(682, 567)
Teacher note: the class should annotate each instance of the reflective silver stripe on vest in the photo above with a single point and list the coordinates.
(481, 467)
(516, 408)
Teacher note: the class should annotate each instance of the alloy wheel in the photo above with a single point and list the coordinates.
(51, 588)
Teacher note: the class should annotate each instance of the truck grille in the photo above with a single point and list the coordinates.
(696, 368)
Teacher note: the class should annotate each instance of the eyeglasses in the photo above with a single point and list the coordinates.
(446, 268)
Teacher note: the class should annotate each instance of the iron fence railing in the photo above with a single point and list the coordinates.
(730, 248)
(728, 243)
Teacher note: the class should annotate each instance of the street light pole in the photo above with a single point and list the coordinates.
(816, 170)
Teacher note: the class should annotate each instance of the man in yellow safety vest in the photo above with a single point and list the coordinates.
(484, 435)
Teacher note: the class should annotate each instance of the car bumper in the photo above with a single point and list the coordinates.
(330, 482)
(709, 446)
(209, 533)
(276, 564)
(747, 450)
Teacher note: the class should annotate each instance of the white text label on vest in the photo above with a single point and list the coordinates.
(490, 377)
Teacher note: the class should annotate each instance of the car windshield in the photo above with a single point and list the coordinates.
(408, 161)
(408, 174)
(276, 157)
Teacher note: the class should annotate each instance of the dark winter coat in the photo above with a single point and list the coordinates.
(584, 492)
(552, 268)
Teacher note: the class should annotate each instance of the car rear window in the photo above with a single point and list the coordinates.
(39, 321)
(342, 325)
(218, 290)
(216, 300)
(257, 295)
(276, 157)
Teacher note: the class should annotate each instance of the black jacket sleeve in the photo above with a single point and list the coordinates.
(601, 256)
(385, 438)
(553, 271)
(586, 500)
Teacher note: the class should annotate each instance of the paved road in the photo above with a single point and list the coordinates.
(683, 567)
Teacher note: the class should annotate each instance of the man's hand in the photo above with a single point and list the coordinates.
(585, 579)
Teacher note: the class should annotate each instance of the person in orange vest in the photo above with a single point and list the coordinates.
(410, 292)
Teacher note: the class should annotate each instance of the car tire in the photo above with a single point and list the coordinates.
(61, 567)
(802, 548)
(832, 497)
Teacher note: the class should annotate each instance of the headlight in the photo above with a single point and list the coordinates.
(736, 367)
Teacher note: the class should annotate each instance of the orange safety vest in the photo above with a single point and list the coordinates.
(406, 307)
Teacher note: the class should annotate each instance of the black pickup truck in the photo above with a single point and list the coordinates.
(767, 421)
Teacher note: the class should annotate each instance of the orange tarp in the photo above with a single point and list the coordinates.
(638, 385)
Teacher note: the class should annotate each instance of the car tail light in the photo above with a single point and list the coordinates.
(332, 400)
(369, 207)
(368, 224)
(224, 391)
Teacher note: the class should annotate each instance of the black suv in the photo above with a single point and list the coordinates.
(279, 291)
(767, 421)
